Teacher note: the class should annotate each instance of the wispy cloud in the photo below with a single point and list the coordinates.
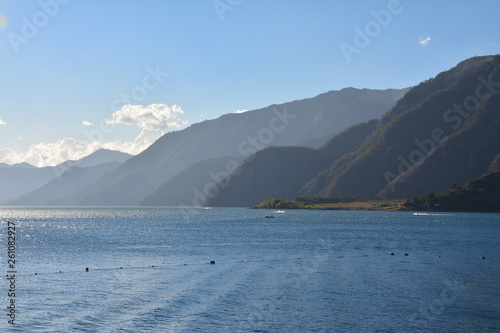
(240, 111)
(2, 122)
(425, 41)
(87, 123)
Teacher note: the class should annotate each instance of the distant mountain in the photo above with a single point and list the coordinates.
(444, 131)
(280, 172)
(191, 186)
(20, 179)
(271, 173)
(17, 181)
(18, 165)
(58, 191)
(100, 156)
(237, 135)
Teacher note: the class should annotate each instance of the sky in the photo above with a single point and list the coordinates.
(80, 75)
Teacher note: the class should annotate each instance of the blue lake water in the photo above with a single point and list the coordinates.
(303, 271)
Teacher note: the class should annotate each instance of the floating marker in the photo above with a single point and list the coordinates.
(406, 254)
(392, 253)
(483, 257)
(212, 262)
(86, 269)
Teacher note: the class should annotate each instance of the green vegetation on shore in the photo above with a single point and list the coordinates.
(478, 195)
(333, 203)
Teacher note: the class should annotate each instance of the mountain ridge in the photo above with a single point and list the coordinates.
(239, 135)
(386, 161)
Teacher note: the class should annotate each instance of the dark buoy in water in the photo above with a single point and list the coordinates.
(86, 269)
(483, 258)
(406, 254)
(36, 273)
(392, 253)
(212, 262)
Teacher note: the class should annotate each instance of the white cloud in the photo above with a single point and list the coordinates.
(425, 41)
(53, 153)
(2, 122)
(43, 154)
(151, 117)
(240, 111)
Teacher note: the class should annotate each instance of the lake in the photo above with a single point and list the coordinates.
(150, 270)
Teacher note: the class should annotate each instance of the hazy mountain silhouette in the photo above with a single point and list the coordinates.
(17, 181)
(20, 180)
(100, 156)
(237, 135)
(191, 186)
(18, 165)
(58, 191)
(280, 172)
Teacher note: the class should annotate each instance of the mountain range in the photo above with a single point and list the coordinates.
(27, 185)
(395, 143)
(234, 137)
(445, 130)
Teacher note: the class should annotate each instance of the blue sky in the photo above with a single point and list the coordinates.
(63, 63)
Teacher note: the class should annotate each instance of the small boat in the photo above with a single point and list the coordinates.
(269, 216)
(280, 211)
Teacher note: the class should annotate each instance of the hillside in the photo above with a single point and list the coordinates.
(424, 145)
(478, 195)
(192, 185)
(280, 172)
(272, 172)
(238, 135)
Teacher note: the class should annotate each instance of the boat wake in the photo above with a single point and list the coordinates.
(431, 214)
